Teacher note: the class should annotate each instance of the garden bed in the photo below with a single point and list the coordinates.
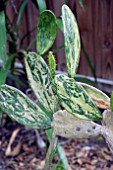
(92, 154)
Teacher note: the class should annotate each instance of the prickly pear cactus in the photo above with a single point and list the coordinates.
(74, 127)
(40, 80)
(74, 98)
(19, 107)
(47, 28)
(100, 99)
(52, 64)
(107, 128)
(111, 102)
(72, 40)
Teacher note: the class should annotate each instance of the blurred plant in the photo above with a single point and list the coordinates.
(87, 57)
(5, 64)
(9, 32)
(40, 4)
(76, 121)
(15, 46)
(15, 43)
(79, 100)
(111, 102)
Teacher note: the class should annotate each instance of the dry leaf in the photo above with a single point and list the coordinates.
(41, 144)
(40, 166)
(101, 99)
(15, 151)
(69, 168)
(102, 104)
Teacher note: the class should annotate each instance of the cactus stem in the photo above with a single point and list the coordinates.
(50, 152)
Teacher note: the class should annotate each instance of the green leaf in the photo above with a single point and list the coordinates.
(84, 79)
(47, 28)
(58, 49)
(4, 70)
(21, 9)
(3, 75)
(19, 107)
(111, 102)
(31, 44)
(60, 24)
(16, 79)
(74, 98)
(0, 114)
(40, 80)
(52, 64)
(81, 3)
(2, 38)
(41, 5)
(59, 150)
(100, 98)
(62, 156)
(72, 40)
(88, 60)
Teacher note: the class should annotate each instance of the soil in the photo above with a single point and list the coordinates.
(19, 150)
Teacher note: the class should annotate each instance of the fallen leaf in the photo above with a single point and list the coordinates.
(15, 151)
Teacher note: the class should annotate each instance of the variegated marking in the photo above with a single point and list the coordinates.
(41, 81)
(72, 40)
(19, 107)
(74, 98)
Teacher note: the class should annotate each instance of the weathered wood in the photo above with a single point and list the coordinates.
(28, 22)
(103, 37)
(96, 30)
(84, 18)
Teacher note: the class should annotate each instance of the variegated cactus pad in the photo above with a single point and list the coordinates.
(74, 98)
(72, 40)
(40, 79)
(47, 28)
(19, 107)
(101, 99)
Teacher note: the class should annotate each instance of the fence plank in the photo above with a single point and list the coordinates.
(96, 29)
(103, 37)
(84, 17)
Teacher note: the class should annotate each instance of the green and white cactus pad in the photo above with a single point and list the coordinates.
(75, 99)
(47, 29)
(72, 40)
(19, 107)
(111, 102)
(40, 80)
(101, 99)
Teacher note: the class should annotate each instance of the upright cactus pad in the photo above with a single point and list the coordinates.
(72, 40)
(40, 80)
(74, 98)
(47, 29)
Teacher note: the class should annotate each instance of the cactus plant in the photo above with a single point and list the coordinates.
(47, 27)
(76, 121)
(111, 102)
(74, 98)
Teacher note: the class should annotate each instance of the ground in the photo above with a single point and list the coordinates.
(19, 150)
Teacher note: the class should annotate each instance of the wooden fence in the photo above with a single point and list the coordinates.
(96, 29)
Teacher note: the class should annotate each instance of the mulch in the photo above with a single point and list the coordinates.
(25, 154)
